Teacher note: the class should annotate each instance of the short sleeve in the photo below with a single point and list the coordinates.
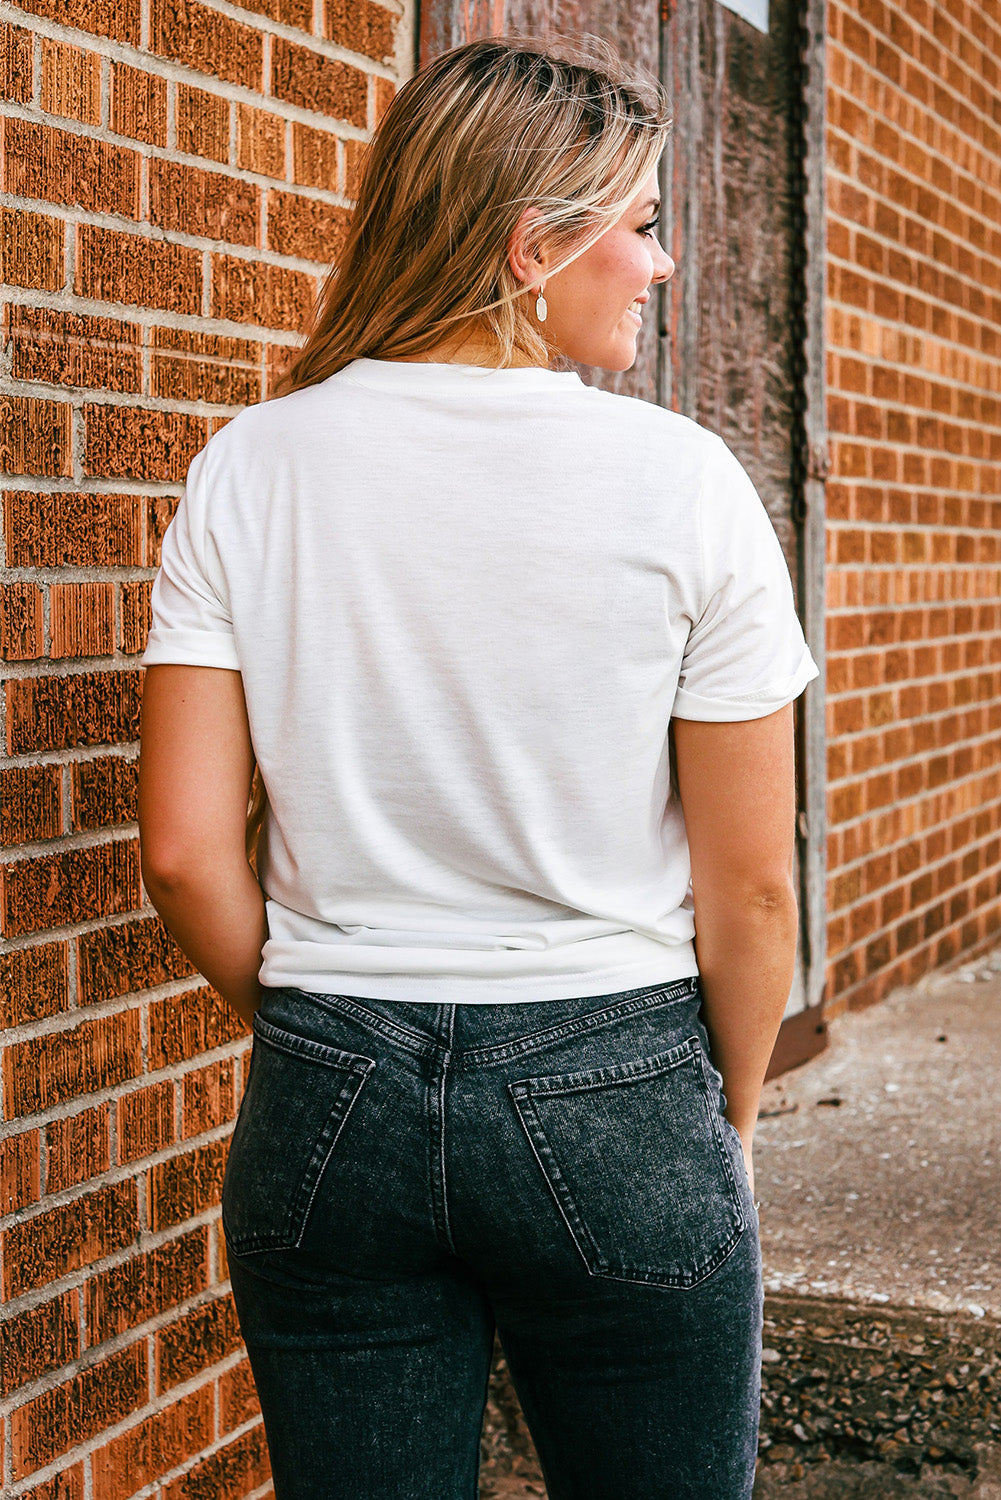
(191, 617)
(745, 656)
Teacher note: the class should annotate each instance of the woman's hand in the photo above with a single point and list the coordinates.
(195, 770)
(738, 795)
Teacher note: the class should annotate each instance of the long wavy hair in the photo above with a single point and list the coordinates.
(480, 134)
(472, 140)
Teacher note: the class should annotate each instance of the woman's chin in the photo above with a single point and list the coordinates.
(618, 360)
(614, 354)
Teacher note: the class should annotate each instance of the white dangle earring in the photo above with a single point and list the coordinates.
(541, 305)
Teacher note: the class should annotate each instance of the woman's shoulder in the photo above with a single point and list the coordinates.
(660, 422)
(676, 443)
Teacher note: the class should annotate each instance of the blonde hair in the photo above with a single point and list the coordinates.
(472, 140)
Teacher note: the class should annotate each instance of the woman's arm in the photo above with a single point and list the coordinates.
(195, 770)
(737, 785)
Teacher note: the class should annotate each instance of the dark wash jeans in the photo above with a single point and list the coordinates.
(404, 1177)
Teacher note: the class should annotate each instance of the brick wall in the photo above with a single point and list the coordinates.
(914, 582)
(176, 177)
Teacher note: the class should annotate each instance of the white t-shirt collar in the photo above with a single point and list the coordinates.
(426, 377)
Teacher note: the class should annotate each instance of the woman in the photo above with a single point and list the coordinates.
(448, 600)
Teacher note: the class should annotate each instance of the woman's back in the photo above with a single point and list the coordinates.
(462, 602)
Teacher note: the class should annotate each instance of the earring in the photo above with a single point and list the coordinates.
(541, 306)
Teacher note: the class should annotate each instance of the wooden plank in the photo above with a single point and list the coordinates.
(813, 859)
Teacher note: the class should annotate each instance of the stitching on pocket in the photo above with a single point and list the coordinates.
(355, 1071)
(525, 1093)
(622, 1010)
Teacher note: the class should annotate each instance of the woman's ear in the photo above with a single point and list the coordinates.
(527, 261)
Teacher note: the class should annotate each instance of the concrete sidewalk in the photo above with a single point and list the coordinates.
(878, 1165)
(879, 1172)
(878, 1168)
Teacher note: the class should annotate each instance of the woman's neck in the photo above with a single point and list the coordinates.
(467, 352)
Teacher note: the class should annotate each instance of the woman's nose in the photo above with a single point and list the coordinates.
(665, 270)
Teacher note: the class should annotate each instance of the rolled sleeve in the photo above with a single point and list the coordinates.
(746, 656)
(191, 624)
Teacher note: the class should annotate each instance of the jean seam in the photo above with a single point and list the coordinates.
(523, 1046)
(410, 1041)
(587, 1080)
(437, 1087)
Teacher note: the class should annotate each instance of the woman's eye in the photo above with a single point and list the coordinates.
(649, 228)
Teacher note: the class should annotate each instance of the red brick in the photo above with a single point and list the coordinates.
(314, 157)
(61, 713)
(73, 885)
(135, 616)
(71, 82)
(362, 27)
(20, 1180)
(162, 1442)
(77, 1148)
(49, 1245)
(355, 157)
(69, 1414)
(66, 1485)
(246, 291)
(82, 617)
(115, 18)
(50, 531)
(318, 83)
(34, 436)
(125, 442)
(185, 1185)
(207, 1097)
(60, 167)
(39, 1340)
(306, 228)
(205, 203)
(385, 93)
(291, 12)
(202, 123)
(62, 1065)
(135, 269)
(31, 250)
(195, 1342)
(260, 141)
(64, 348)
(22, 636)
(138, 104)
(105, 792)
(129, 956)
(228, 1473)
(126, 1295)
(16, 50)
(202, 39)
(33, 983)
(237, 1397)
(204, 367)
(145, 1121)
(184, 1026)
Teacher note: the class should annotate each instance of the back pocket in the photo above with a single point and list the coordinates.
(296, 1104)
(635, 1158)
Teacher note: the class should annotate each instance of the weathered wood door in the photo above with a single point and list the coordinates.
(738, 341)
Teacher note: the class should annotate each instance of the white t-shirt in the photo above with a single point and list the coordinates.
(465, 604)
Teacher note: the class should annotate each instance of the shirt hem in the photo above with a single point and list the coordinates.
(675, 962)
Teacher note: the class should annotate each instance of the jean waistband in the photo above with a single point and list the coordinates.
(476, 1033)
